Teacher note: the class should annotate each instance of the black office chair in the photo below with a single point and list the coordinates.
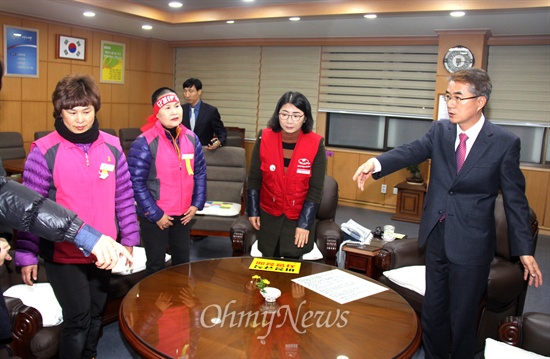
(11, 146)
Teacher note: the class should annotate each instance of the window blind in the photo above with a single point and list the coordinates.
(230, 77)
(287, 69)
(398, 80)
(521, 84)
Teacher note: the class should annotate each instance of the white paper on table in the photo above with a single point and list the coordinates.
(340, 286)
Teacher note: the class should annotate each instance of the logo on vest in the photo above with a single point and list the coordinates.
(304, 166)
(272, 168)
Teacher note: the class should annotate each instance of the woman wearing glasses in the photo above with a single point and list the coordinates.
(285, 180)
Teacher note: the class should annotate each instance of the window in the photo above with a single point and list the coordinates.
(373, 132)
(534, 141)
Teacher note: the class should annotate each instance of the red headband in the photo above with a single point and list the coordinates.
(168, 98)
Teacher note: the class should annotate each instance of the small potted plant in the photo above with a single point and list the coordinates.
(269, 293)
(260, 283)
(415, 175)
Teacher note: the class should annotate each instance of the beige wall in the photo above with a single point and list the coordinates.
(25, 103)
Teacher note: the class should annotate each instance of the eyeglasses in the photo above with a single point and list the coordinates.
(294, 116)
(449, 98)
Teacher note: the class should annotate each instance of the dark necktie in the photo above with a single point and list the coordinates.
(461, 151)
(460, 155)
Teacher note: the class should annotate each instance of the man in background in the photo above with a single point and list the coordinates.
(202, 118)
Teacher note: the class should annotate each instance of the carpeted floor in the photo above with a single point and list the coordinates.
(113, 346)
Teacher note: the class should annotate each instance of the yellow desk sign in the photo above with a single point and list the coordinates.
(272, 265)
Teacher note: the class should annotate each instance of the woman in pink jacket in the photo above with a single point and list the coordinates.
(85, 170)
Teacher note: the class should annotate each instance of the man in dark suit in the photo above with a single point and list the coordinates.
(207, 122)
(457, 227)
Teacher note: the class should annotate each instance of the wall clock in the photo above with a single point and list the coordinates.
(458, 58)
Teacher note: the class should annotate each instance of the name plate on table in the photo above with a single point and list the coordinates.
(219, 208)
(273, 265)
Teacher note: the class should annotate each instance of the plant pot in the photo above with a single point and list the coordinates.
(270, 294)
(415, 178)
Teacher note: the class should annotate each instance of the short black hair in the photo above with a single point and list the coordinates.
(298, 100)
(478, 79)
(192, 82)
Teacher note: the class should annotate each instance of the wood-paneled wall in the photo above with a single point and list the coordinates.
(25, 103)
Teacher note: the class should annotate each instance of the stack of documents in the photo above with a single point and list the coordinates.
(358, 233)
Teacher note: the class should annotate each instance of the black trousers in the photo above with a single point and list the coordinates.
(81, 290)
(156, 242)
(450, 307)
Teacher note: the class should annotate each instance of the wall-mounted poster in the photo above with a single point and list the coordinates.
(69, 47)
(112, 62)
(442, 112)
(20, 51)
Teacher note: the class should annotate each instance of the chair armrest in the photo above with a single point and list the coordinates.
(242, 235)
(530, 332)
(505, 283)
(399, 253)
(509, 331)
(328, 237)
(27, 322)
(13, 304)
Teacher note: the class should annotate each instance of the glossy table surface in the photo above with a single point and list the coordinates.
(209, 309)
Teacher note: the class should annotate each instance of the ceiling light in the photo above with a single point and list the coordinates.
(295, 18)
(89, 14)
(175, 4)
(248, 0)
(458, 13)
(230, 21)
(146, 27)
(370, 16)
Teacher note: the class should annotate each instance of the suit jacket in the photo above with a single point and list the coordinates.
(468, 198)
(207, 124)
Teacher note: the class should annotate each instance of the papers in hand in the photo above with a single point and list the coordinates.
(357, 231)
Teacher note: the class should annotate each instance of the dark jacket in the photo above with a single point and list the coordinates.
(25, 210)
(141, 161)
(468, 198)
(208, 124)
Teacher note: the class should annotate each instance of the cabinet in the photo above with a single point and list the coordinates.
(410, 199)
(360, 258)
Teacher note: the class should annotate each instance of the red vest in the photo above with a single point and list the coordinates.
(286, 193)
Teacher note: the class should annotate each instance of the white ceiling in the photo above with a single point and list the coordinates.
(191, 21)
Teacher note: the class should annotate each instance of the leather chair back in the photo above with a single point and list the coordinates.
(329, 199)
(127, 136)
(11, 146)
(225, 174)
(40, 134)
(503, 244)
(235, 137)
(110, 131)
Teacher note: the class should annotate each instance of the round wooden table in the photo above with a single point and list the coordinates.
(209, 309)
